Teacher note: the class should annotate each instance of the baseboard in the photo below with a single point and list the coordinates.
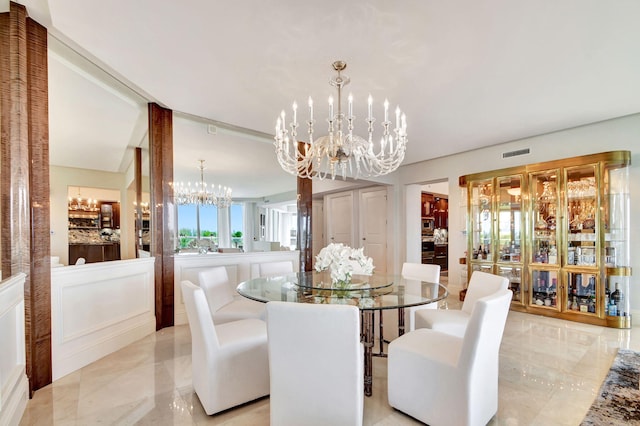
(12, 409)
(68, 364)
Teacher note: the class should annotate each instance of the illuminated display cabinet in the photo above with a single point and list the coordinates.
(559, 231)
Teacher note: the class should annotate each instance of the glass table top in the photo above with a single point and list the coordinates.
(374, 292)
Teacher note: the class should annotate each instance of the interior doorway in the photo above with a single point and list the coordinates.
(434, 227)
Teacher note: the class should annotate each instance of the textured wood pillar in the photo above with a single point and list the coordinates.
(138, 186)
(162, 220)
(40, 283)
(304, 221)
(5, 119)
(24, 172)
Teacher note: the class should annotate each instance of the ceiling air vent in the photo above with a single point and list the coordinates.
(516, 153)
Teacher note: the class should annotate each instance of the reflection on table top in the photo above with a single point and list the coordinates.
(369, 293)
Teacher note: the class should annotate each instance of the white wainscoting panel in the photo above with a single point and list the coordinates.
(14, 386)
(98, 308)
(240, 267)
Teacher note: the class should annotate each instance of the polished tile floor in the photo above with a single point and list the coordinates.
(550, 372)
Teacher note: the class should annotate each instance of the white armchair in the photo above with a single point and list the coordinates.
(225, 305)
(442, 379)
(316, 364)
(420, 272)
(269, 269)
(453, 321)
(229, 362)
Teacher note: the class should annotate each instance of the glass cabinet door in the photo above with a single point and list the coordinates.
(616, 256)
(544, 288)
(545, 203)
(509, 220)
(582, 292)
(582, 216)
(514, 275)
(481, 223)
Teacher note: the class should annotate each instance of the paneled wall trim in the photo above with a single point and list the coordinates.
(14, 386)
(98, 308)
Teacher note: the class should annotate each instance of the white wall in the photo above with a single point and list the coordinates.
(14, 386)
(99, 308)
(616, 134)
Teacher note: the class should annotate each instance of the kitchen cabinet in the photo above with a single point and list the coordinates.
(435, 208)
(560, 232)
(94, 231)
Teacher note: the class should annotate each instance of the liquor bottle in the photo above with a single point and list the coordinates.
(607, 297)
(553, 255)
(484, 254)
(617, 297)
(574, 305)
(592, 305)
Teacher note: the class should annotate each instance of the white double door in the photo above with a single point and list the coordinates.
(359, 219)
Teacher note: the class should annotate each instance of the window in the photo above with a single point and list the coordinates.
(236, 216)
(188, 224)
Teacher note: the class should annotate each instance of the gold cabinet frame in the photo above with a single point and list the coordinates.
(571, 248)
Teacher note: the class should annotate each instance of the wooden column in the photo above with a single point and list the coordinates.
(162, 221)
(304, 220)
(24, 172)
(138, 185)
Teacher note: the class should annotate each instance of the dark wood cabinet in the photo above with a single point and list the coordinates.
(441, 256)
(435, 207)
(93, 253)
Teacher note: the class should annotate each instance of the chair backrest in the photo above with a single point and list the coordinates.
(422, 272)
(482, 284)
(479, 356)
(203, 332)
(269, 269)
(215, 283)
(315, 363)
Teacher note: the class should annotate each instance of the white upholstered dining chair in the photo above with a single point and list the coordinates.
(420, 272)
(441, 379)
(229, 362)
(316, 364)
(224, 303)
(454, 321)
(269, 269)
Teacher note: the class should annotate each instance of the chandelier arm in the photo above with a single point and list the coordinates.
(341, 152)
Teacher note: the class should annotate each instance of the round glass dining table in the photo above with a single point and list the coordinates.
(370, 293)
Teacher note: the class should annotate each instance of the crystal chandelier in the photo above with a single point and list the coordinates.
(341, 152)
(200, 194)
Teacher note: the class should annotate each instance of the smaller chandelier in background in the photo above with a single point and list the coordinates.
(201, 194)
(341, 152)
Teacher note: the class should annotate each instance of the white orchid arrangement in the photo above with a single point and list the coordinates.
(342, 261)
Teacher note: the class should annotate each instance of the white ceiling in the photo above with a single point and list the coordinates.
(468, 74)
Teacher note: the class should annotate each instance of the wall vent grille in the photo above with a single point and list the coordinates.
(516, 153)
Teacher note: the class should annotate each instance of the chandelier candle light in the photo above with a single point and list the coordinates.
(341, 151)
(199, 193)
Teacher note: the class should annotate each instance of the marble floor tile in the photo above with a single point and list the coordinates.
(550, 373)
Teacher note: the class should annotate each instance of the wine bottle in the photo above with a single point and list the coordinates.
(617, 297)
(607, 297)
